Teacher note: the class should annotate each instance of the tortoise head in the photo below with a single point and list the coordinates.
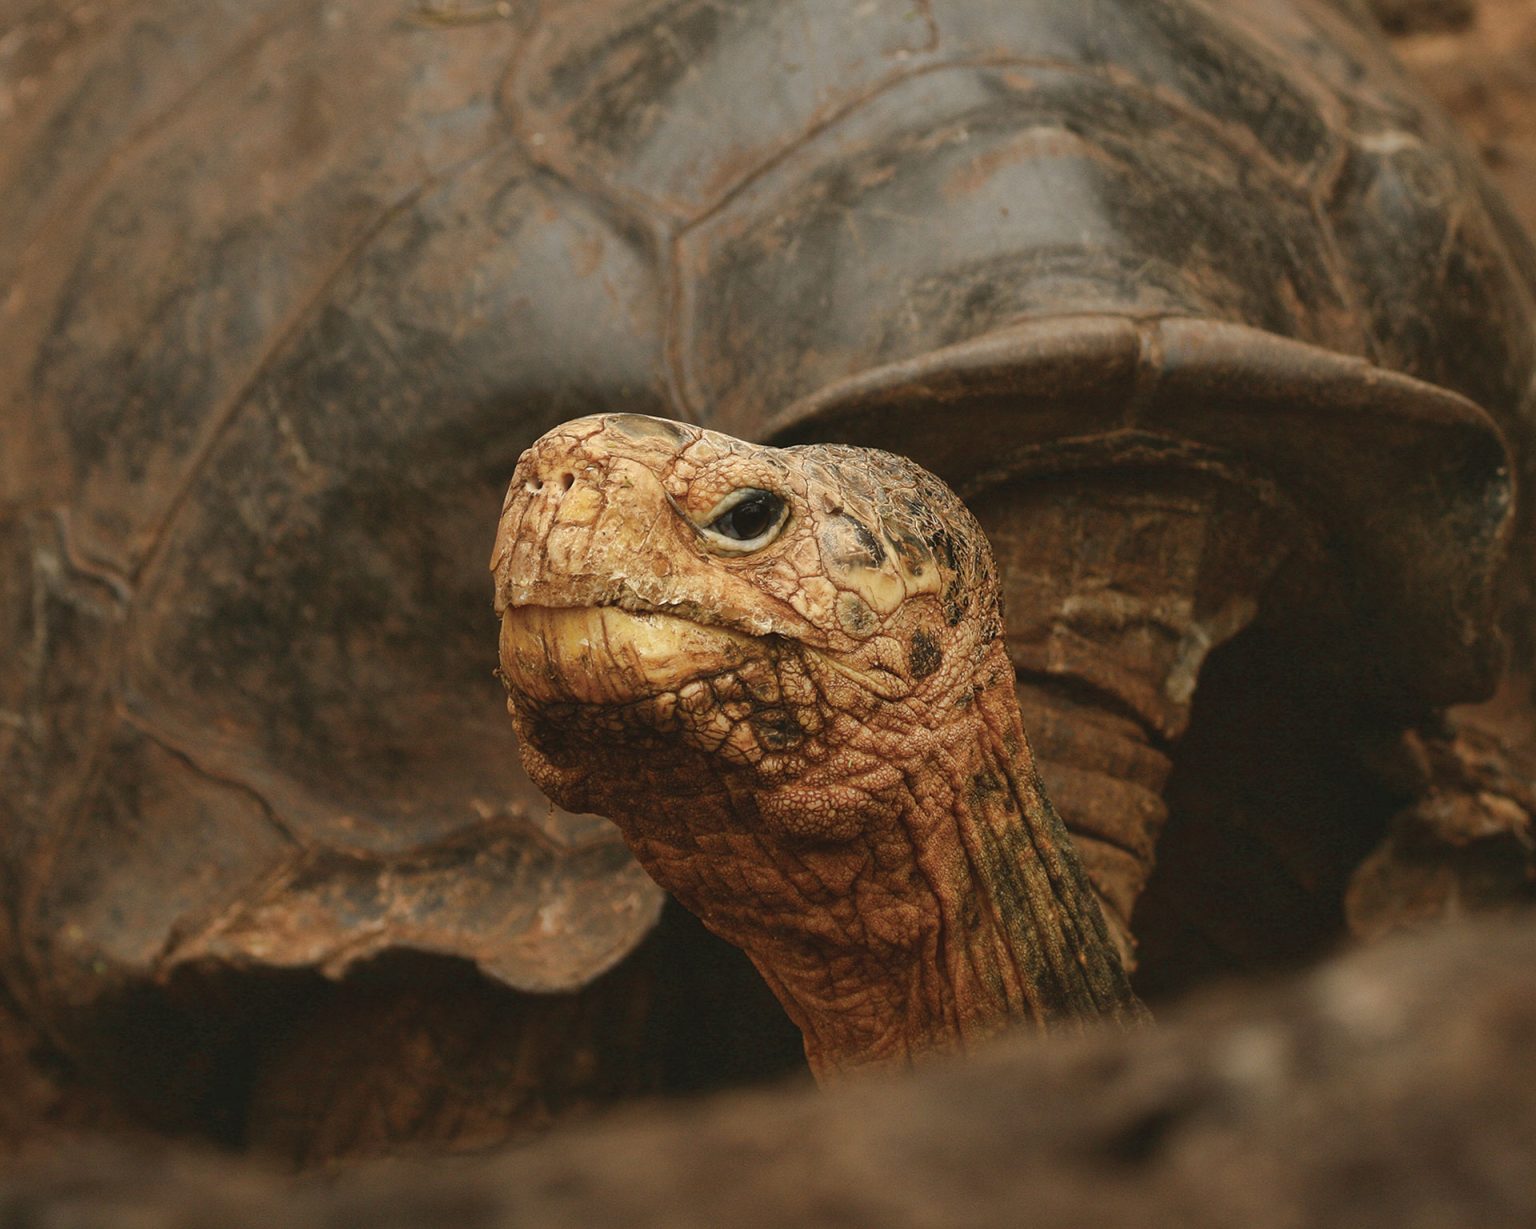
(693, 604)
(781, 672)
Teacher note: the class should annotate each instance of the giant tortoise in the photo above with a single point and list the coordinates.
(1202, 306)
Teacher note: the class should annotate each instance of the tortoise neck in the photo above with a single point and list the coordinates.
(989, 923)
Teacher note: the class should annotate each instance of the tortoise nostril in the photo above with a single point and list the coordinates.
(532, 487)
(567, 480)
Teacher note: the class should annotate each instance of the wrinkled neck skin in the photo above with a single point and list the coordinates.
(911, 894)
(996, 927)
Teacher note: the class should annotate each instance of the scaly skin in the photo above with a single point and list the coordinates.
(814, 744)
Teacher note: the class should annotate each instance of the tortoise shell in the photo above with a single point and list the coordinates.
(291, 286)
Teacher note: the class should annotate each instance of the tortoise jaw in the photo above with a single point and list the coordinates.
(608, 656)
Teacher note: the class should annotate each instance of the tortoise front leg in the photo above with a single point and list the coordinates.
(1466, 840)
(1117, 583)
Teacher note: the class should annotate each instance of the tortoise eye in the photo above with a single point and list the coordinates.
(746, 520)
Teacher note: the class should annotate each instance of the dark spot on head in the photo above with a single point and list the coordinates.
(848, 543)
(638, 426)
(912, 553)
(923, 655)
(776, 729)
(854, 614)
(867, 540)
(943, 547)
(956, 603)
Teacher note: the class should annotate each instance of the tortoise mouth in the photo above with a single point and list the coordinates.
(608, 656)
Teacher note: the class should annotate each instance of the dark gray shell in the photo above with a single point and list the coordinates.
(979, 233)
(290, 286)
(287, 299)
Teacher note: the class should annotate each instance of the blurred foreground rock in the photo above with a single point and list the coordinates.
(1395, 1087)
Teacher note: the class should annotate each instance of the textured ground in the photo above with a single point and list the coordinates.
(1391, 1089)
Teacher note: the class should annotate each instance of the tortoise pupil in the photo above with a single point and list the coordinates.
(753, 516)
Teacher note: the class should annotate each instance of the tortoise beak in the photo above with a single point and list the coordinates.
(604, 655)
